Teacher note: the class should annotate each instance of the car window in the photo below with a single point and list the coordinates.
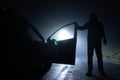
(64, 33)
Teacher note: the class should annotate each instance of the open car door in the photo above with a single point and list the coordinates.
(62, 44)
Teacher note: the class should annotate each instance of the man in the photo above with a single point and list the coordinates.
(96, 34)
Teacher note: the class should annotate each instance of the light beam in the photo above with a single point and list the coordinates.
(63, 35)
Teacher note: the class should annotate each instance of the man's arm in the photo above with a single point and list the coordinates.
(85, 26)
(103, 34)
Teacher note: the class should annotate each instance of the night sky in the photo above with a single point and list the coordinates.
(48, 15)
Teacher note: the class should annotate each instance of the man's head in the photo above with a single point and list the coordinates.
(93, 17)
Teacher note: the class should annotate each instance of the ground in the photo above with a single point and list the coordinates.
(77, 72)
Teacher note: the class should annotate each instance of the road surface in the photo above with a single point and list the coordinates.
(77, 72)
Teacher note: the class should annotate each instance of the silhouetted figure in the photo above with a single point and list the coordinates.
(96, 34)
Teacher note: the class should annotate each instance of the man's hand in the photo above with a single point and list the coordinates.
(76, 24)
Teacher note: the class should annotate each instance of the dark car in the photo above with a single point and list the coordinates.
(29, 58)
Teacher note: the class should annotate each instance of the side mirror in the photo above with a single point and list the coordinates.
(52, 42)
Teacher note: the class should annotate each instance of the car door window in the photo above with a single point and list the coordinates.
(64, 33)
